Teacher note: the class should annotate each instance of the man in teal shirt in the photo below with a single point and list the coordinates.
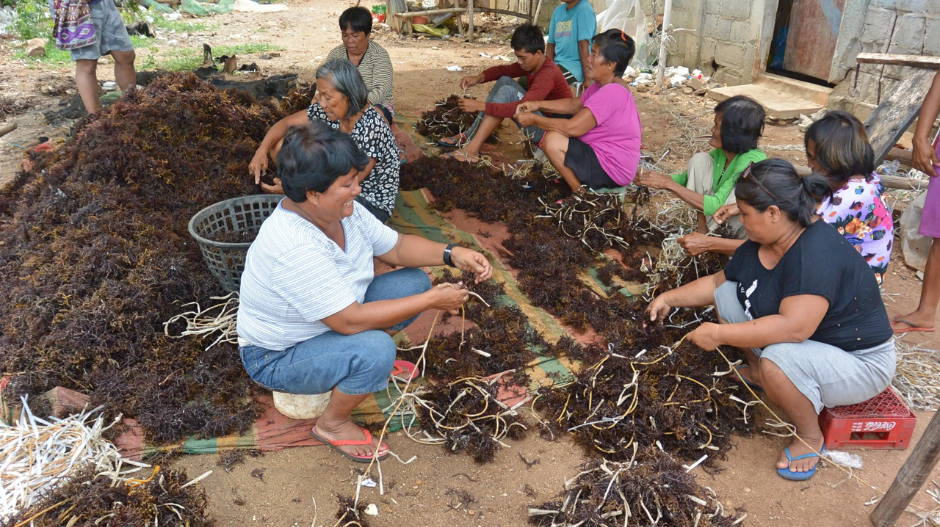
(573, 26)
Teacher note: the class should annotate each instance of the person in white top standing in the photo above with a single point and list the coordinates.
(313, 317)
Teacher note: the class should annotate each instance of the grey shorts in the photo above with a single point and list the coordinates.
(112, 35)
(828, 376)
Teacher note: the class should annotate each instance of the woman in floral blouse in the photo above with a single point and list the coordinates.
(837, 147)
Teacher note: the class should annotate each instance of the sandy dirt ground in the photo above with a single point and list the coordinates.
(299, 486)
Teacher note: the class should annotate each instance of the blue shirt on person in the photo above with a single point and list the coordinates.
(567, 28)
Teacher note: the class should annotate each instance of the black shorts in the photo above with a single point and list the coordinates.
(583, 161)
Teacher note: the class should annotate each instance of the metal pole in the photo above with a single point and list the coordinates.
(661, 71)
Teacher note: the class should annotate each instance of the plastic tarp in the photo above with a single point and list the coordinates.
(628, 16)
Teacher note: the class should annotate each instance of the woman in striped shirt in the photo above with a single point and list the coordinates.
(371, 58)
(313, 316)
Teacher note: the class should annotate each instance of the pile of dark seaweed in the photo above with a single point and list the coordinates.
(446, 119)
(95, 256)
(639, 386)
(88, 499)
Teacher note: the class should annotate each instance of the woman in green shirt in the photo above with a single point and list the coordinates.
(710, 178)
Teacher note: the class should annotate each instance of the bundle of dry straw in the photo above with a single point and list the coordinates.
(37, 455)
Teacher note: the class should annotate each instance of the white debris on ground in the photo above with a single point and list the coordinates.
(37, 455)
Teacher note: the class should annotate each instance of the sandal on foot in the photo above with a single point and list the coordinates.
(450, 142)
(353, 442)
(786, 473)
(752, 385)
(913, 326)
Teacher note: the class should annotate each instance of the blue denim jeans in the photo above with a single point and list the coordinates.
(357, 364)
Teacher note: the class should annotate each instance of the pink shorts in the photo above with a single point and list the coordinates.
(930, 220)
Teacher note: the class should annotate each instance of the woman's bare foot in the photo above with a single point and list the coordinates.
(750, 374)
(465, 156)
(914, 320)
(798, 448)
(348, 431)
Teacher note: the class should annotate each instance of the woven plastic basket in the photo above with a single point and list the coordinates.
(245, 214)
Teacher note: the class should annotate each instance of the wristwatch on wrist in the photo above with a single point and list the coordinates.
(447, 258)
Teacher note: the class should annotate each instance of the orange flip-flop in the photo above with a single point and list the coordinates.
(913, 327)
(353, 442)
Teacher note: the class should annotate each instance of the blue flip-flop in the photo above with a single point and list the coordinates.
(751, 384)
(786, 473)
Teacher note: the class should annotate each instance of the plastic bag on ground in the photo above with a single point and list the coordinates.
(627, 16)
(156, 6)
(247, 6)
(843, 459)
(914, 246)
(194, 8)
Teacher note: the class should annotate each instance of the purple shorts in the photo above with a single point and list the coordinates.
(930, 220)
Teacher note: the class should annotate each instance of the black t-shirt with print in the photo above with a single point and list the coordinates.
(821, 262)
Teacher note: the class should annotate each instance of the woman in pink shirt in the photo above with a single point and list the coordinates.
(600, 146)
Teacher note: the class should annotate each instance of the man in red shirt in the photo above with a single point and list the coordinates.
(545, 82)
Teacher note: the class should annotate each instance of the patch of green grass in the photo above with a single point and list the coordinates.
(178, 25)
(56, 58)
(190, 59)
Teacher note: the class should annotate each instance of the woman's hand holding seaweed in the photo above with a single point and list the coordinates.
(449, 297)
(473, 262)
(725, 212)
(258, 165)
(705, 336)
(658, 308)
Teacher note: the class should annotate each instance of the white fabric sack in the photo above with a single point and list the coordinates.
(914, 246)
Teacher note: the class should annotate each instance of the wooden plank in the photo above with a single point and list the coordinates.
(911, 477)
(894, 182)
(916, 61)
(410, 14)
(897, 111)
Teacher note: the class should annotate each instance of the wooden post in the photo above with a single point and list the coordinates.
(896, 112)
(538, 9)
(470, 20)
(911, 477)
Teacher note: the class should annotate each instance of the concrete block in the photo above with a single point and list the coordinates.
(729, 77)
(741, 31)
(740, 9)
(909, 33)
(712, 7)
(878, 25)
(914, 6)
(886, 4)
(932, 42)
(679, 4)
(708, 52)
(717, 27)
(728, 54)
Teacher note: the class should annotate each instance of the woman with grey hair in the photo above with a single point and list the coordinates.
(342, 102)
(313, 316)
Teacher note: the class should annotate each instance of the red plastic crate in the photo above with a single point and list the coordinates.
(882, 422)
